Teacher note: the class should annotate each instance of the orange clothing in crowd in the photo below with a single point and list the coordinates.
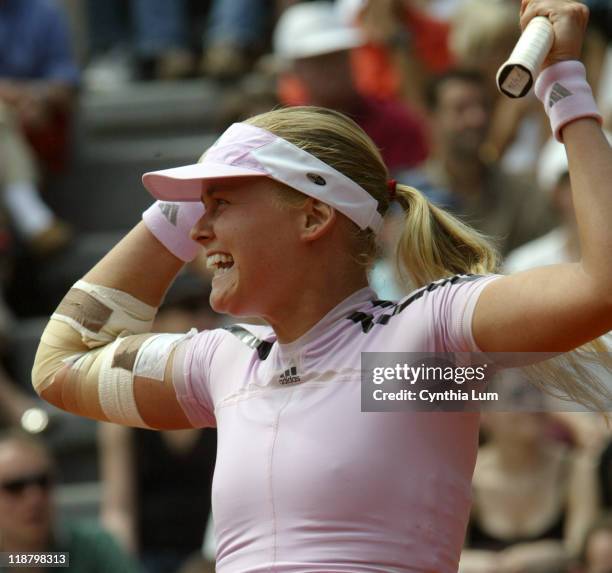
(375, 73)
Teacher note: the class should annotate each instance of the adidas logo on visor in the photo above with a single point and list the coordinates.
(289, 376)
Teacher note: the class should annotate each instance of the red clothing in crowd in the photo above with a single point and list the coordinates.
(398, 132)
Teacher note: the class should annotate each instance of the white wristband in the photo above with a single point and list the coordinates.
(171, 223)
(566, 95)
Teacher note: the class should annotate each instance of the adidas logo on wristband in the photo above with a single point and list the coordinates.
(169, 210)
(557, 93)
(566, 95)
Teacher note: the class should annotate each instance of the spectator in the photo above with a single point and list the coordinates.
(533, 499)
(38, 78)
(27, 523)
(561, 245)
(482, 36)
(407, 43)
(155, 32)
(157, 491)
(311, 39)
(458, 177)
(234, 36)
(33, 220)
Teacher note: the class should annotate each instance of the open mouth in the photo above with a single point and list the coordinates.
(219, 263)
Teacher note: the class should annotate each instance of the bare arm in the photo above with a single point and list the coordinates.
(118, 511)
(36, 102)
(548, 555)
(561, 307)
(139, 265)
(583, 499)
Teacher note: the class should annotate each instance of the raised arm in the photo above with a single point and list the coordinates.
(139, 265)
(561, 307)
(97, 357)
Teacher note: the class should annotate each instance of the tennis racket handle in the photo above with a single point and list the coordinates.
(516, 76)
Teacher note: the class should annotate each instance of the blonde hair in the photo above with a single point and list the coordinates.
(433, 244)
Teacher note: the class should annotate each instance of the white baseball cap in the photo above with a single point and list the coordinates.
(312, 29)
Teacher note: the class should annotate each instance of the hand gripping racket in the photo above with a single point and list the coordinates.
(516, 76)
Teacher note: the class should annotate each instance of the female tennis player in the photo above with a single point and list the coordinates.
(286, 207)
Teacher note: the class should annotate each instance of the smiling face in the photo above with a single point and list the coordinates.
(251, 242)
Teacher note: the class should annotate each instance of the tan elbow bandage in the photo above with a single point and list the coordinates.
(129, 361)
(94, 348)
(101, 314)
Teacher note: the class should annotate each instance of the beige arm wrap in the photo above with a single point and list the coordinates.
(98, 359)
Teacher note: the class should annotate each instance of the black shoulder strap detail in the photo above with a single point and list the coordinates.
(434, 286)
(263, 347)
(367, 320)
(383, 303)
(364, 318)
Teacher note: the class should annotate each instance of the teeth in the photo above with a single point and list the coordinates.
(220, 263)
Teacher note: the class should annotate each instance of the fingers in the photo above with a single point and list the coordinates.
(523, 6)
(569, 19)
(530, 9)
(555, 10)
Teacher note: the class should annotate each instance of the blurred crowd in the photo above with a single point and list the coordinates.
(419, 77)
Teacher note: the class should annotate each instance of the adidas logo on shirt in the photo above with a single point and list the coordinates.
(289, 376)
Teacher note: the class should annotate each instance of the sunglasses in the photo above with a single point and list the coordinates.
(18, 485)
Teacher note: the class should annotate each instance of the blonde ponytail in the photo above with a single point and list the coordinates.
(577, 376)
(435, 245)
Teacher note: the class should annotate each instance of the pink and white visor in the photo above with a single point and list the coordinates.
(248, 151)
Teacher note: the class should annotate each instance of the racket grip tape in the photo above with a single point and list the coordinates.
(517, 75)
